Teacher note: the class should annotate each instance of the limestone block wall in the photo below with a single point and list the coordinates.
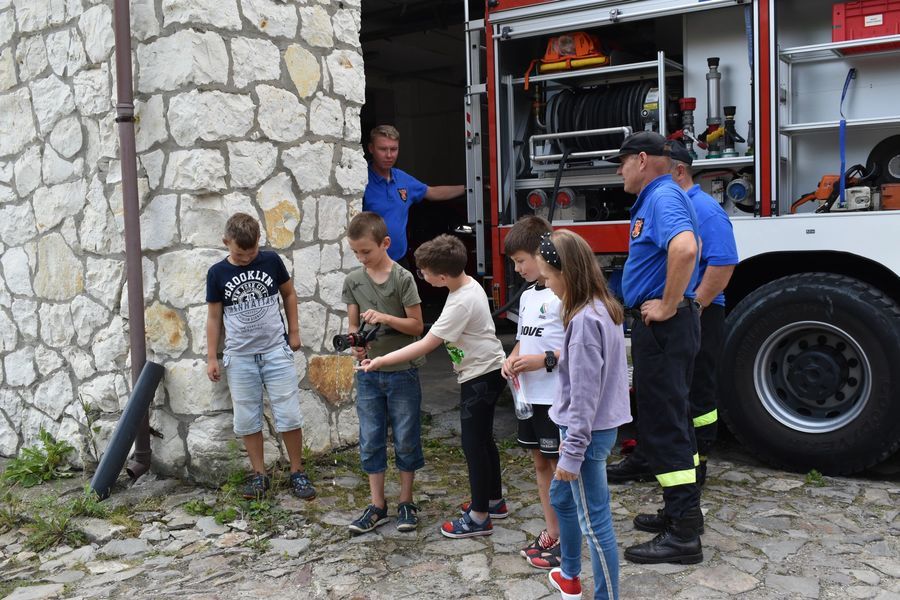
(242, 105)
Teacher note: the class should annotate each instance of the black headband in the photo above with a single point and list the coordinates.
(549, 253)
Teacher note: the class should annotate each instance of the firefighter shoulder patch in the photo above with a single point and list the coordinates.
(402, 192)
(637, 228)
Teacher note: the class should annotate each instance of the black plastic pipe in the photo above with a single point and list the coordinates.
(133, 267)
(119, 446)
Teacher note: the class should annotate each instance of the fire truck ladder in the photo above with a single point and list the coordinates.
(476, 89)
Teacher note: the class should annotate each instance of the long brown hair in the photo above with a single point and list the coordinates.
(583, 278)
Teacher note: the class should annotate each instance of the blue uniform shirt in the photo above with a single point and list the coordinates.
(719, 248)
(392, 199)
(661, 212)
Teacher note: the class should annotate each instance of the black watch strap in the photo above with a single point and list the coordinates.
(550, 360)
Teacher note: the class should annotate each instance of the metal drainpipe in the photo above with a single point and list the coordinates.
(133, 268)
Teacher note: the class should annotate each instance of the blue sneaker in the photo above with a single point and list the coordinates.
(301, 486)
(407, 516)
(371, 518)
(256, 487)
(465, 527)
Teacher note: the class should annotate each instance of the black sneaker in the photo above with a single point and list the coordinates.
(407, 516)
(301, 486)
(257, 487)
(371, 518)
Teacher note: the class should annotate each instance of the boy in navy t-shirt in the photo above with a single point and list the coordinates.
(243, 290)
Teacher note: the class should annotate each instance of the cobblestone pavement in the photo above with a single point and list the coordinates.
(769, 534)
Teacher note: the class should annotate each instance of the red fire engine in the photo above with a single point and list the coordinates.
(790, 109)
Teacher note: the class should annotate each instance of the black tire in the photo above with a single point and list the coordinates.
(810, 373)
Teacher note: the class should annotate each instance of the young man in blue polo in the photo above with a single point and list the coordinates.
(391, 192)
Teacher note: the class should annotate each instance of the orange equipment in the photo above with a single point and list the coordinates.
(827, 190)
(569, 51)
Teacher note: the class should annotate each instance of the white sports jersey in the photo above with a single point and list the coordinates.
(540, 330)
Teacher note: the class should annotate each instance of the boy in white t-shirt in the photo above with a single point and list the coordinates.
(466, 329)
(533, 361)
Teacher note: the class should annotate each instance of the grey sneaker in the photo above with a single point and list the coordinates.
(301, 486)
(407, 516)
(371, 518)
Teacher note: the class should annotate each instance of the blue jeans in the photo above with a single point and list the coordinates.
(275, 371)
(393, 398)
(582, 507)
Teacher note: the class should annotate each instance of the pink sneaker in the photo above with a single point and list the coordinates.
(569, 589)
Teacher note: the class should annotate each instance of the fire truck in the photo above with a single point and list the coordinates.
(791, 108)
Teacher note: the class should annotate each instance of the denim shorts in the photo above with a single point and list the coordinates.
(389, 398)
(273, 371)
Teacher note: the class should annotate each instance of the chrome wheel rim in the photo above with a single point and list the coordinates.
(812, 377)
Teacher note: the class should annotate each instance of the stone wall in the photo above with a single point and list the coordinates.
(242, 105)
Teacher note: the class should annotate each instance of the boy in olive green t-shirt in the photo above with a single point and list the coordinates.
(381, 292)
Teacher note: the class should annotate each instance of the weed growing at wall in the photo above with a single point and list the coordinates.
(36, 465)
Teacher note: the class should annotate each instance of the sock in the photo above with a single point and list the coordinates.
(476, 521)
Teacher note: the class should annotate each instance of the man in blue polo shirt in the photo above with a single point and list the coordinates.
(658, 287)
(391, 192)
(718, 257)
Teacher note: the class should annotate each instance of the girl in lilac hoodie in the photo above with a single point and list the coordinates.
(592, 403)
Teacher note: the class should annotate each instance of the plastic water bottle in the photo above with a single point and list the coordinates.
(524, 410)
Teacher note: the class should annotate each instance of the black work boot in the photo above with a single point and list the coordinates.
(633, 468)
(657, 523)
(701, 473)
(679, 543)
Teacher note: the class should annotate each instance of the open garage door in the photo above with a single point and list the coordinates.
(415, 61)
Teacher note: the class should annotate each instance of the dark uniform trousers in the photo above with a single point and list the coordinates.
(663, 357)
(703, 387)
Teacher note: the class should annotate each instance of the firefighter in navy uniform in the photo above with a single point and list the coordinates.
(718, 257)
(658, 287)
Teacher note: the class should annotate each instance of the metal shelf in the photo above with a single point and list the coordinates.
(832, 50)
(820, 126)
(595, 179)
(726, 162)
(600, 71)
(605, 176)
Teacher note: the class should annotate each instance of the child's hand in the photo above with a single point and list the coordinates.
(294, 341)
(563, 475)
(373, 316)
(212, 370)
(528, 362)
(506, 370)
(358, 353)
(369, 364)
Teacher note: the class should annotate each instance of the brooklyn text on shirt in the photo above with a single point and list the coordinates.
(246, 276)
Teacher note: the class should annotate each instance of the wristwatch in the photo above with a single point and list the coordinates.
(698, 306)
(550, 360)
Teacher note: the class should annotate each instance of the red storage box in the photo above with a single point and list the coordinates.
(865, 19)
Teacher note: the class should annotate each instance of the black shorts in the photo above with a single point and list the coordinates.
(540, 433)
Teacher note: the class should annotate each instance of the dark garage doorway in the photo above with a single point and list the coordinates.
(414, 53)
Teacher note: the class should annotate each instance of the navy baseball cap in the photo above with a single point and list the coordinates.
(678, 151)
(648, 142)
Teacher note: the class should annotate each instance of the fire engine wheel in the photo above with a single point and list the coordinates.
(809, 376)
